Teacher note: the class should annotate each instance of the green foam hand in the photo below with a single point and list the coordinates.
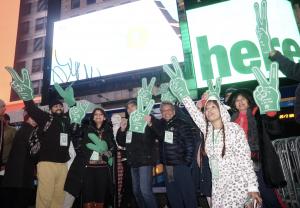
(178, 85)
(137, 122)
(214, 91)
(22, 86)
(98, 144)
(262, 30)
(67, 94)
(266, 94)
(146, 91)
(166, 94)
(77, 112)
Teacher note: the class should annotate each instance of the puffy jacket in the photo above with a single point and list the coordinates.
(181, 151)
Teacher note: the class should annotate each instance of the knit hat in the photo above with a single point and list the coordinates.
(54, 102)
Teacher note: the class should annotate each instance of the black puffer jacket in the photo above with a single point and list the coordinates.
(141, 151)
(181, 151)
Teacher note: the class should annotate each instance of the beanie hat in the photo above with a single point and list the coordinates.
(54, 102)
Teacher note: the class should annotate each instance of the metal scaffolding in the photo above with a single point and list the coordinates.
(288, 150)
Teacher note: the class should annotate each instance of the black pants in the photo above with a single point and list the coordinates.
(96, 184)
(127, 199)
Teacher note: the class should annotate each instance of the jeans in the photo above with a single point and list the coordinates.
(142, 187)
(180, 187)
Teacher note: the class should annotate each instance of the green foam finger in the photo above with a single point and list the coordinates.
(149, 107)
(169, 72)
(260, 77)
(151, 84)
(92, 147)
(26, 77)
(14, 74)
(94, 138)
(176, 66)
(144, 83)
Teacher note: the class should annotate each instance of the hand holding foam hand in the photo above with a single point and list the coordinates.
(137, 122)
(178, 85)
(266, 94)
(98, 144)
(77, 112)
(67, 95)
(22, 86)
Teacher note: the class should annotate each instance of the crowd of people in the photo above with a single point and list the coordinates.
(224, 155)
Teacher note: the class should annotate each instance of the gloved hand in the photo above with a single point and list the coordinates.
(178, 85)
(98, 144)
(67, 95)
(22, 86)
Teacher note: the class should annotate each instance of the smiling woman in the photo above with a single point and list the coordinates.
(9, 10)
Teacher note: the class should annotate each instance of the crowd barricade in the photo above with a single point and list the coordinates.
(288, 150)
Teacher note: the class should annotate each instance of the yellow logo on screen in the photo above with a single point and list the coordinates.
(137, 37)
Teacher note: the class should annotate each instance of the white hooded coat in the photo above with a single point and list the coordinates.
(233, 175)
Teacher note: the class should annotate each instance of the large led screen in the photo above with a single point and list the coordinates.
(224, 40)
(127, 37)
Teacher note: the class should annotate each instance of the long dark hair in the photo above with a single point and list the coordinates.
(244, 93)
(106, 121)
(202, 148)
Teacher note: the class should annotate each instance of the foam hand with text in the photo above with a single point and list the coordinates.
(77, 112)
(266, 94)
(137, 122)
(22, 86)
(178, 85)
(146, 91)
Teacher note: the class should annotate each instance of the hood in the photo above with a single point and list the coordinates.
(225, 116)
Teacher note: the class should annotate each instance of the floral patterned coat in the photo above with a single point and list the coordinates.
(233, 175)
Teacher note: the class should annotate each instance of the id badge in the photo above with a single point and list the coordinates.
(95, 156)
(128, 137)
(169, 137)
(63, 139)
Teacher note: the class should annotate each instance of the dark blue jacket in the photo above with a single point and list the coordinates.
(181, 151)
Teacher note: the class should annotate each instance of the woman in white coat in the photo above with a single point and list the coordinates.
(234, 183)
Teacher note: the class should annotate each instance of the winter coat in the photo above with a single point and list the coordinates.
(233, 176)
(19, 170)
(7, 134)
(74, 180)
(181, 150)
(260, 128)
(51, 150)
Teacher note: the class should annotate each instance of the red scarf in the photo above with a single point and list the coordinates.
(242, 121)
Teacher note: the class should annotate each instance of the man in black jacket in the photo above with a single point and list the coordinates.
(177, 154)
(54, 153)
(140, 152)
(292, 71)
